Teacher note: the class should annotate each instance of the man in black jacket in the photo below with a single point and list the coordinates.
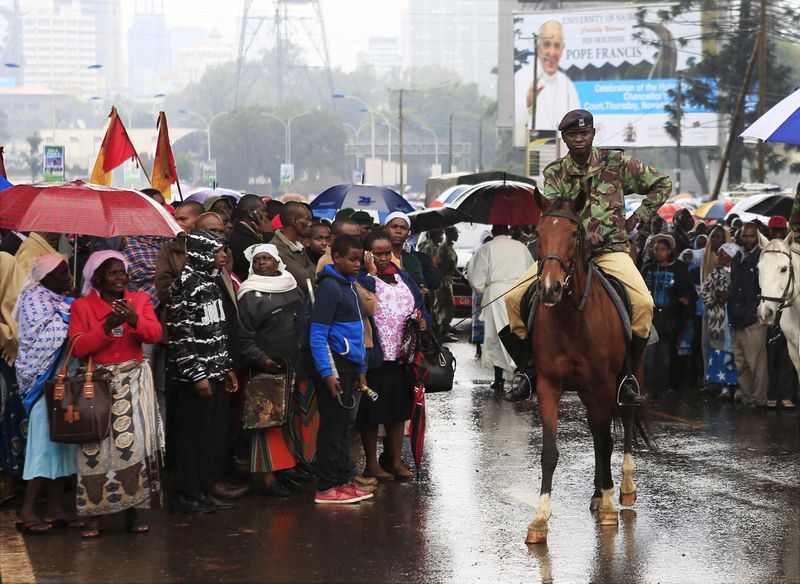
(251, 226)
(748, 334)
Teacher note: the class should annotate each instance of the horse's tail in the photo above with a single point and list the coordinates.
(642, 427)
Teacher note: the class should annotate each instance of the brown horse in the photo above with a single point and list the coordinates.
(578, 344)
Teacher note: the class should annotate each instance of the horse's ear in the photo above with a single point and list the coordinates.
(762, 239)
(541, 201)
(580, 200)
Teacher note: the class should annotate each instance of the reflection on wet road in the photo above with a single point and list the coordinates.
(721, 503)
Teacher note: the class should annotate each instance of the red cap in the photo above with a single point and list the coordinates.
(777, 222)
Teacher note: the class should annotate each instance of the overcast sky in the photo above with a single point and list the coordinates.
(348, 22)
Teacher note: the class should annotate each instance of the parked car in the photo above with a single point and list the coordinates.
(762, 207)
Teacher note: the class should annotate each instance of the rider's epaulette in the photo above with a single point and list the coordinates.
(557, 161)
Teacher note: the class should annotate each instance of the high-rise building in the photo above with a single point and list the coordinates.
(382, 54)
(191, 62)
(58, 46)
(10, 43)
(459, 35)
(108, 42)
(149, 52)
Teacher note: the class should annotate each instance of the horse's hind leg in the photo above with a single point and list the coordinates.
(547, 397)
(627, 489)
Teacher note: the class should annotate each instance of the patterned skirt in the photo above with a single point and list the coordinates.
(304, 421)
(13, 423)
(271, 449)
(121, 472)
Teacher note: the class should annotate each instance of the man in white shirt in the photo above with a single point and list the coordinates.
(556, 92)
(492, 271)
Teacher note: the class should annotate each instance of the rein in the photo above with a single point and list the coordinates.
(790, 293)
(570, 268)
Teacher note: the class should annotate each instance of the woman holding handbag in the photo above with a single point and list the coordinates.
(42, 311)
(110, 324)
(388, 374)
(267, 303)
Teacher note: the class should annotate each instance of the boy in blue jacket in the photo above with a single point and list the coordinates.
(337, 346)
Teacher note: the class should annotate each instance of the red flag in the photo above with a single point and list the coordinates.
(2, 164)
(115, 149)
(164, 172)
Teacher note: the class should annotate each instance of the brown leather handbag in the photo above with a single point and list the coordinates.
(79, 407)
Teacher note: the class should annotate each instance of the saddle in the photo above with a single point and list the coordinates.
(615, 289)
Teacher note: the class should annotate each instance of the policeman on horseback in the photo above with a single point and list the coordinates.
(606, 176)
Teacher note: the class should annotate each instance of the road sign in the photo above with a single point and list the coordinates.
(287, 174)
(210, 173)
(53, 166)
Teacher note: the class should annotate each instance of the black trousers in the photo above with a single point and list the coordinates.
(334, 466)
(198, 437)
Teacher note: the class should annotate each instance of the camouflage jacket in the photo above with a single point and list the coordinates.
(609, 175)
(447, 261)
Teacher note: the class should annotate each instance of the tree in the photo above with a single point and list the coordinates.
(734, 39)
(33, 158)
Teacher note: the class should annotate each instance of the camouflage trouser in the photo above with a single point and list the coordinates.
(618, 264)
(443, 307)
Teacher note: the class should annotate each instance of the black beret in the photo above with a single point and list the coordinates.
(576, 119)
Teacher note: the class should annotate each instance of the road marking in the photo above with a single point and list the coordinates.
(15, 564)
(688, 422)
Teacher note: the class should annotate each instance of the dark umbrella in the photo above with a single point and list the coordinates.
(500, 202)
(418, 423)
(436, 218)
(364, 197)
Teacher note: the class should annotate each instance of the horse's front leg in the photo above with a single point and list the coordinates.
(548, 396)
(600, 424)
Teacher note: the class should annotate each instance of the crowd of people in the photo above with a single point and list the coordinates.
(182, 327)
(251, 291)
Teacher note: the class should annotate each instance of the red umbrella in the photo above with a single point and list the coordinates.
(499, 202)
(83, 209)
(667, 210)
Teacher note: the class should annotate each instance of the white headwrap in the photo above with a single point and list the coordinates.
(397, 215)
(283, 282)
(40, 268)
(95, 261)
(731, 249)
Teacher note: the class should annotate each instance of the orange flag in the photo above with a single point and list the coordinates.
(115, 149)
(2, 164)
(164, 172)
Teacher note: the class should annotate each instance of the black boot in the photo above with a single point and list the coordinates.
(498, 383)
(628, 392)
(525, 378)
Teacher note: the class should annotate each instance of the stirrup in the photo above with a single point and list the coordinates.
(628, 378)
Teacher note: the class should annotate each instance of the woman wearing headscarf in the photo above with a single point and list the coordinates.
(12, 415)
(111, 324)
(720, 365)
(398, 227)
(43, 314)
(398, 298)
(268, 300)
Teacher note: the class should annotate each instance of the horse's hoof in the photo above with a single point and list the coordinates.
(608, 517)
(536, 536)
(627, 499)
(595, 504)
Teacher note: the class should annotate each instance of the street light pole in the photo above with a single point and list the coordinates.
(207, 123)
(369, 110)
(285, 133)
(53, 92)
(289, 135)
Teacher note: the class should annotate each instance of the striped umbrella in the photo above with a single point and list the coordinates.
(714, 209)
(780, 124)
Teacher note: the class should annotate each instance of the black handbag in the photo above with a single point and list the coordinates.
(437, 366)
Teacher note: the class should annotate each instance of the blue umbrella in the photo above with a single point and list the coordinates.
(4, 184)
(382, 200)
(780, 124)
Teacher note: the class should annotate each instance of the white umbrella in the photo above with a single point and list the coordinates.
(780, 124)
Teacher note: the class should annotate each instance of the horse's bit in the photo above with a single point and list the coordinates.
(789, 293)
(569, 269)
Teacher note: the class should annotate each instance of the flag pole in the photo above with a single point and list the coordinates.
(178, 183)
(139, 160)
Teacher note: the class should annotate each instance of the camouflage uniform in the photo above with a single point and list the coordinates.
(428, 247)
(443, 301)
(607, 177)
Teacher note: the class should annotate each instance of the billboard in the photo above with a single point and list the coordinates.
(593, 60)
(53, 164)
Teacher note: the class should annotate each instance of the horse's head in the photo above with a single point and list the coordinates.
(776, 277)
(561, 246)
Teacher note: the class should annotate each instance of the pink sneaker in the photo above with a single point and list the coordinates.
(336, 496)
(352, 489)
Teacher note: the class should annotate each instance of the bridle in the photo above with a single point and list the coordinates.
(790, 292)
(569, 269)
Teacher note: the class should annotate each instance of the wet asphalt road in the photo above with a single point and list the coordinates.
(720, 504)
